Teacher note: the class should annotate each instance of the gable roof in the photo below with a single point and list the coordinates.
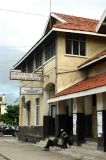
(66, 23)
(101, 27)
(94, 59)
(82, 86)
(76, 23)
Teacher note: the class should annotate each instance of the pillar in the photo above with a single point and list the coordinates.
(61, 117)
(101, 121)
(78, 121)
(69, 104)
(88, 116)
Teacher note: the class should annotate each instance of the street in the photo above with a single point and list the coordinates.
(12, 149)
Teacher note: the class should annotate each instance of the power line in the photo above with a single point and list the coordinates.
(21, 12)
(13, 45)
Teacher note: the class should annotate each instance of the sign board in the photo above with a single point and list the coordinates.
(31, 91)
(74, 124)
(99, 123)
(17, 75)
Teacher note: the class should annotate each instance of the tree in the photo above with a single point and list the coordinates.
(11, 116)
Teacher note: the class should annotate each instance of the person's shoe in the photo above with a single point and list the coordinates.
(45, 149)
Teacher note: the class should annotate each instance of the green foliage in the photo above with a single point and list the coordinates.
(0, 98)
(11, 116)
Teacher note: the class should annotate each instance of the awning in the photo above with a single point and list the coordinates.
(92, 85)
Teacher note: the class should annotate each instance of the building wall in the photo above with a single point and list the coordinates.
(68, 63)
(53, 72)
(95, 45)
(48, 77)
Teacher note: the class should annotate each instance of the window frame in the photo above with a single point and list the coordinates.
(50, 50)
(70, 38)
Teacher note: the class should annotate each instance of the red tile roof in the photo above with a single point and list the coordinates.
(92, 82)
(77, 23)
(97, 56)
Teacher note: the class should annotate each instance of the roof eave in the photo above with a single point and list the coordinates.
(58, 17)
(78, 31)
(32, 49)
(92, 62)
(91, 91)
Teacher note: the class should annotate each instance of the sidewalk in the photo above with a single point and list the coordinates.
(85, 152)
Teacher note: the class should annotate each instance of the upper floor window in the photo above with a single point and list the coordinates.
(50, 49)
(76, 44)
(38, 58)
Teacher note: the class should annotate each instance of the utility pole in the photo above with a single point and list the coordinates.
(50, 14)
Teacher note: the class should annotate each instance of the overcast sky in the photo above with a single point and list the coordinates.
(20, 30)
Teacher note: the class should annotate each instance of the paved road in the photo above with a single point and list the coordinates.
(12, 149)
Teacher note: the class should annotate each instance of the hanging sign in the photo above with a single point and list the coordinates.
(17, 75)
(31, 91)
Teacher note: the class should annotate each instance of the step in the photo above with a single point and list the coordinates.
(91, 143)
(77, 154)
(87, 151)
(89, 146)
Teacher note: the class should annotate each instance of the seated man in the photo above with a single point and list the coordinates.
(50, 143)
(53, 142)
(67, 140)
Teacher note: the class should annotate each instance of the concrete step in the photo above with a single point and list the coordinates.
(89, 145)
(84, 154)
(93, 143)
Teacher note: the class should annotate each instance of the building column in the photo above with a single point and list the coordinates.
(101, 121)
(61, 117)
(88, 116)
(69, 104)
(78, 121)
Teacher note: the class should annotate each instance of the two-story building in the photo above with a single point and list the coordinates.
(70, 56)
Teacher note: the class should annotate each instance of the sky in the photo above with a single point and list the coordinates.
(22, 23)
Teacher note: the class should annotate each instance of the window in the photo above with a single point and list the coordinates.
(76, 44)
(50, 49)
(37, 110)
(38, 58)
